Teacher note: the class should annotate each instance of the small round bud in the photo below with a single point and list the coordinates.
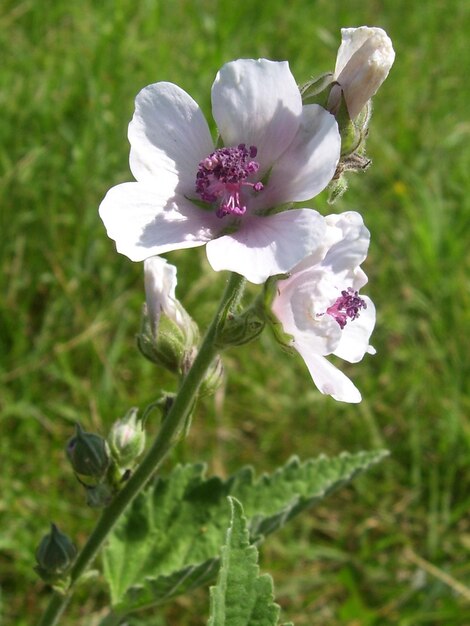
(214, 377)
(127, 439)
(89, 456)
(54, 555)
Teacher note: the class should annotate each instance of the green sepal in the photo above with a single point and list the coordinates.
(315, 90)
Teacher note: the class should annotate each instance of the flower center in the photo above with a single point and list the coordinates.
(221, 176)
(348, 305)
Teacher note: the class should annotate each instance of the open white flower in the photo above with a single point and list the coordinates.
(190, 193)
(364, 59)
(320, 307)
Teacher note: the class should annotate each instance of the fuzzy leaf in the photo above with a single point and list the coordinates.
(241, 596)
(168, 542)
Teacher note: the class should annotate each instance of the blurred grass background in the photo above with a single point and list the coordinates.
(394, 547)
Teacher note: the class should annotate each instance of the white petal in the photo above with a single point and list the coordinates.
(169, 136)
(257, 103)
(265, 246)
(363, 63)
(328, 378)
(355, 337)
(309, 163)
(160, 284)
(351, 250)
(145, 221)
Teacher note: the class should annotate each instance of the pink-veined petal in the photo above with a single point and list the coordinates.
(328, 378)
(308, 164)
(144, 221)
(354, 343)
(257, 102)
(265, 246)
(169, 136)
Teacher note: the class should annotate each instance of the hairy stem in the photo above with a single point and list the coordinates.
(164, 441)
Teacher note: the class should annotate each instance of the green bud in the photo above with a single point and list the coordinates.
(314, 90)
(89, 456)
(127, 439)
(54, 555)
(214, 377)
(243, 328)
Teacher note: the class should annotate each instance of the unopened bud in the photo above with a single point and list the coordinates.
(54, 555)
(364, 59)
(127, 439)
(168, 332)
(88, 454)
(214, 377)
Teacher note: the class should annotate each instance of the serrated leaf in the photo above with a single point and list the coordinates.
(241, 596)
(168, 542)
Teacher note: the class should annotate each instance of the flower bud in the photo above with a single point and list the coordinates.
(168, 332)
(89, 456)
(127, 439)
(54, 555)
(364, 59)
(214, 377)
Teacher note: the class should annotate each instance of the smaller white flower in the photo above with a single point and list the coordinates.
(364, 59)
(320, 307)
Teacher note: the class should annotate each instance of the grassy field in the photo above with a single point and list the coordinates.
(392, 549)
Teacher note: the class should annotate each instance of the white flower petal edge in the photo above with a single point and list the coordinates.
(145, 221)
(319, 306)
(160, 285)
(257, 102)
(364, 59)
(270, 245)
(169, 135)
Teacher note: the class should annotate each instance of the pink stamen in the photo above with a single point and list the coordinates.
(221, 176)
(348, 305)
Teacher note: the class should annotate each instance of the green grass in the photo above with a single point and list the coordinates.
(70, 305)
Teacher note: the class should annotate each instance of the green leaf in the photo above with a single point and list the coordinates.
(241, 596)
(168, 542)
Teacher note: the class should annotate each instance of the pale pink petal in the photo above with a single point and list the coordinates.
(160, 285)
(257, 103)
(169, 136)
(351, 250)
(266, 246)
(308, 164)
(144, 221)
(329, 379)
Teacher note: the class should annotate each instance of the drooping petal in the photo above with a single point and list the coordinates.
(308, 164)
(145, 221)
(169, 136)
(354, 343)
(351, 250)
(328, 378)
(257, 102)
(266, 246)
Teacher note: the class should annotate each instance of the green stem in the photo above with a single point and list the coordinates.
(172, 424)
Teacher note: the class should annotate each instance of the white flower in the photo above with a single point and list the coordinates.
(189, 193)
(320, 307)
(364, 59)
